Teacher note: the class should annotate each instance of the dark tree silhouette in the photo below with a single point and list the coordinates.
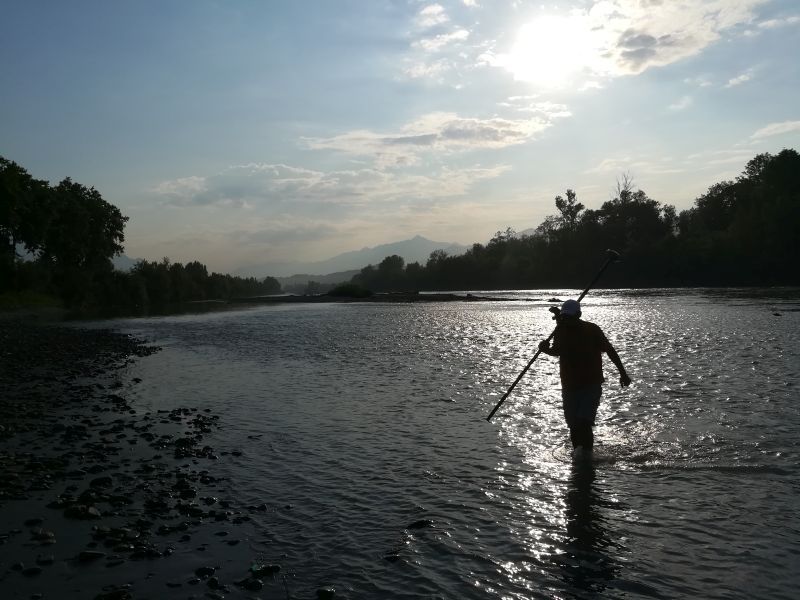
(741, 232)
(737, 233)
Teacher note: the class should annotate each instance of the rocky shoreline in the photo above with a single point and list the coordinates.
(101, 499)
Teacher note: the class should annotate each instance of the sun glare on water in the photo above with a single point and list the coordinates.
(550, 51)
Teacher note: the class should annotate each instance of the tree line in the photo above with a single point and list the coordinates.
(738, 233)
(60, 241)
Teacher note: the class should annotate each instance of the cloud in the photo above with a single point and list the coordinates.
(432, 34)
(243, 185)
(715, 158)
(590, 85)
(280, 189)
(431, 16)
(273, 232)
(439, 132)
(699, 81)
(626, 164)
(439, 42)
(681, 104)
(740, 79)
(771, 24)
(651, 34)
(776, 23)
(531, 104)
(613, 38)
(776, 129)
(295, 214)
(178, 188)
(710, 160)
(428, 70)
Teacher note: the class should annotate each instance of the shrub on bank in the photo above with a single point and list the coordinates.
(350, 290)
(27, 299)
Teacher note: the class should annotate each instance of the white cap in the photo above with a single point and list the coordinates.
(570, 308)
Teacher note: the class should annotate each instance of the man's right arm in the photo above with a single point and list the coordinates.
(544, 346)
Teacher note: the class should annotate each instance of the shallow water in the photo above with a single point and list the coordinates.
(362, 426)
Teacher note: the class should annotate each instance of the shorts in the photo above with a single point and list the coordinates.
(580, 405)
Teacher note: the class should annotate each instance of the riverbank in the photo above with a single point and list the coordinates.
(403, 297)
(21, 309)
(100, 498)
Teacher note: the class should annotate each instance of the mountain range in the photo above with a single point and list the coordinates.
(416, 249)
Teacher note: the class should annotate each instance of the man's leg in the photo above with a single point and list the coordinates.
(574, 435)
(584, 436)
(586, 402)
(570, 405)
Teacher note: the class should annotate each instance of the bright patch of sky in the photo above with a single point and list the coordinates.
(249, 132)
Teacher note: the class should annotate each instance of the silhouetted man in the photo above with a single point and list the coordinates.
(579, 346)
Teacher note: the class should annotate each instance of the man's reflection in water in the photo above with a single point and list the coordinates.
(588, 562)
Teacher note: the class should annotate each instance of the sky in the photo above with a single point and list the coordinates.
(248, 132)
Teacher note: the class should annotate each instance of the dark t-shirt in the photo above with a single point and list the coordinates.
(579, 345)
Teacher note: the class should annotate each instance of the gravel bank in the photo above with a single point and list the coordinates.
(101, 500)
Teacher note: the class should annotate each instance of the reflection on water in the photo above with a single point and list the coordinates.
(590, 550)
(362, 429)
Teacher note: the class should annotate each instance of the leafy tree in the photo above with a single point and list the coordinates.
(391, 273)
(313, 288)
(23, 220)
(740, 232)
(84, 230)
(569, 208)
(714, 210)
(23, 208)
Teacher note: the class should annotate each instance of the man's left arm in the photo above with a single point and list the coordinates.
(624, 379)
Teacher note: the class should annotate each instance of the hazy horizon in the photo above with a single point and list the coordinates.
(250, 133)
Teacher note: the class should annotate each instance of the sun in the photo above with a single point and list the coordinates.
(550, 50)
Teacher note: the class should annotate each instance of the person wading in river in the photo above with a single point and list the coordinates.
(579, 346)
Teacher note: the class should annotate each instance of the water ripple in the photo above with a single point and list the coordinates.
(362, 428)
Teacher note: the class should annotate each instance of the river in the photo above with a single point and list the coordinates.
(362, 429)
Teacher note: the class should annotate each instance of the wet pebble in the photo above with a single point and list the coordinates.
(82, 512)
(42, 535)
(118, 594)
(101, 482)
(262, 570)
(90, 555)
(205, 572)
(214, 584)
(251, 584)
(326, 593)
(91, 448)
